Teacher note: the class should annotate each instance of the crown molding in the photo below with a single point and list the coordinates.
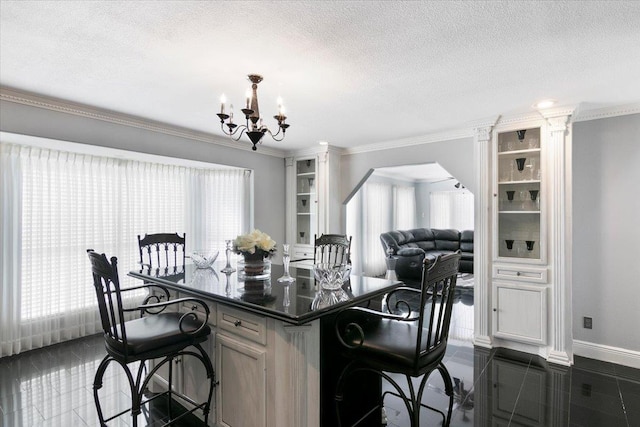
(579, 114)
(448, 135)
(313, 150)
(583, 115)
(39, 101)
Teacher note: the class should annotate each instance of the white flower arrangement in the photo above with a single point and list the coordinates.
(255, 243)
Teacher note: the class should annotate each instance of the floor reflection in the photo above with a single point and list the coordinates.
(53, 387)
(505, 388)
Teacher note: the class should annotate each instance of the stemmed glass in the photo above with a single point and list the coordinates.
(286, 259)
(227, 286)
(228, 268)
(286, 302)
(302, 237)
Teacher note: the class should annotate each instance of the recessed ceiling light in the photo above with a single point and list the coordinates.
(323, 143)
(545, 103)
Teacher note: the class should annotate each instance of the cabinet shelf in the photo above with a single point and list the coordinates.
(306, 213)
(526, 181)
(518, 217)
(307, 174)
(517, 152)
(519, 212)
(305, 194)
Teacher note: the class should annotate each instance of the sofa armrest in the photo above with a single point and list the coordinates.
(409, 264)
(409, 252)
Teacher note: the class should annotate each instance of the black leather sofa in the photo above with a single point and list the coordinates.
(410, 247)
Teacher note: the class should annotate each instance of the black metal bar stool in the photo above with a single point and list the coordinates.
(156, 334)
(412, 343)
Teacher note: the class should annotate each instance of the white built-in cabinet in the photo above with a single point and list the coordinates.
(313, 204)
(519, 235)
(241, 369)
(522, 270)
(266, 371)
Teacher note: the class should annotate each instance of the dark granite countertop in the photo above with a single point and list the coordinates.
(269, 297)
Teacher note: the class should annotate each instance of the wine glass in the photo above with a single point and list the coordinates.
(302, 237)
(286, 301)
(524, 197)
(286, 259)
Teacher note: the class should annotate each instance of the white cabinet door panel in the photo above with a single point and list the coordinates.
(520, 312)
(242, 392)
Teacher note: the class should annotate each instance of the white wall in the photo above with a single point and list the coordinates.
(423, 202)
(269, 171)
(606, 231)
(456, 156)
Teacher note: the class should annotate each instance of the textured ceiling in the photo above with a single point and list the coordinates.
(351, 73)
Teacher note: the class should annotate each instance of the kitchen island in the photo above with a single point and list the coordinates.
(273, 347)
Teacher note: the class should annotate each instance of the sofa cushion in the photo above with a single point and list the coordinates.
(411, 246)
(410, 251)
(466, 241)
(447, 240)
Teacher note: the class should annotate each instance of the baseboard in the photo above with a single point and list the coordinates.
(621, 356)
(483, 341)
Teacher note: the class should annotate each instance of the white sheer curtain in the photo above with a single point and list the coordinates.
(55, 205)
(451, 209)
(221, 210)
(354, 229)
(404, 217)
(377, 208)
(376, 220)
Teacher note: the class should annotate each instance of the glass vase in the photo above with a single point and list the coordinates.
(255, 267)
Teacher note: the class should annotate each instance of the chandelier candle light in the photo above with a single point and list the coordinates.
(254, 128)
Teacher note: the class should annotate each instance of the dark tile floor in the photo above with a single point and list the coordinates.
(53, 387)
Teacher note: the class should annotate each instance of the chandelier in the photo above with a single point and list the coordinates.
(253, 127)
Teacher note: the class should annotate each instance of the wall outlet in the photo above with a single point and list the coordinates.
(587, 322)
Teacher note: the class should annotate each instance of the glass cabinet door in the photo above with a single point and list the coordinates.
(519, 176)
(306, 201)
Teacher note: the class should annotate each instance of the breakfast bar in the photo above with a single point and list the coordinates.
(273, 346)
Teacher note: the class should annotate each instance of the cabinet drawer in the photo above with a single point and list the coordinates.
(526, 274)
(305, 254)
(241, 323)
(189, 305)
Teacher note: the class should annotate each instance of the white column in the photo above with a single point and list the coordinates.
(290, 200)
(482, 237)
(559, 186)
(297, 363)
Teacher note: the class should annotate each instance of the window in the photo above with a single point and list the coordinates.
(451, 209)
(57, 204)
(377, 208)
